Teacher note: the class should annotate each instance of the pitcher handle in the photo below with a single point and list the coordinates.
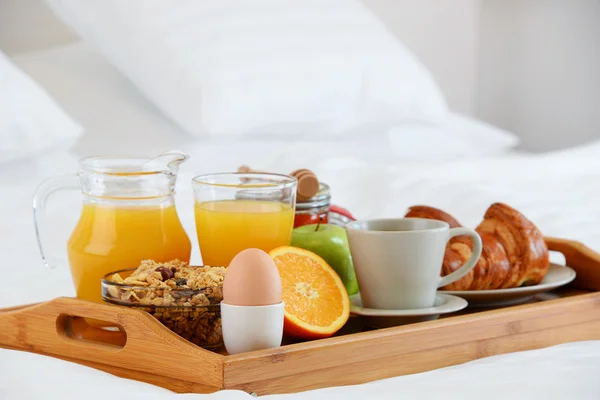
(471, 262)
(40, 197)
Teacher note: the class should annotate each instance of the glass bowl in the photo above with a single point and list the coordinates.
(194, 314)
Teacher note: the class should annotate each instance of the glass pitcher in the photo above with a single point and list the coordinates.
(128, 215)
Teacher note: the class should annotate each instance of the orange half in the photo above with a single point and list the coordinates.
(316, 300)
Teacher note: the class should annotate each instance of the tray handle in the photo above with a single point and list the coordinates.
(585, 261)
(47, 325)
(148, 345)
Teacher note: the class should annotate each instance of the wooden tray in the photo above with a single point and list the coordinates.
(145, 350)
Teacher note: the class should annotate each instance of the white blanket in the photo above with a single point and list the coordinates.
(559, 192)
(568, 371)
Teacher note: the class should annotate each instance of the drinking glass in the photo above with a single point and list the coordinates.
(236, 211)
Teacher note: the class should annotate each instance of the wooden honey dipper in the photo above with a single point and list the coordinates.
(308, 183)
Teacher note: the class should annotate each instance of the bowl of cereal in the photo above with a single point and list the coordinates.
(186, 299)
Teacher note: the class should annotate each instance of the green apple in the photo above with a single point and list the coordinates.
(330, 243)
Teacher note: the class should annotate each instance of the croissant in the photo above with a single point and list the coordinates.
(514, 252)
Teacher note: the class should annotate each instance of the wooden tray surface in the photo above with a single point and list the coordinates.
(143, 349)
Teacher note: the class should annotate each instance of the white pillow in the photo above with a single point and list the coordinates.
(30, 120)
(260, 67)
(83, 80)
(450, 136)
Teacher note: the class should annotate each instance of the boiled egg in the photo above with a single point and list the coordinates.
(252, 279)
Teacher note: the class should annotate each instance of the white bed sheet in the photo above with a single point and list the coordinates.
(565, 205)
(559, 192)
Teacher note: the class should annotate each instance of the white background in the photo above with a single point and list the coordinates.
(529, 66)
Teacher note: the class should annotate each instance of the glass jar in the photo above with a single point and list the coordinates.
(315, 209)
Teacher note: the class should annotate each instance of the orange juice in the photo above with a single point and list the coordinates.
(108, 238)
(227, 227)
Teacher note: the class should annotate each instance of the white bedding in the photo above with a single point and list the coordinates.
(559, 192)
(113, 111)
(237, 68)
(30, 120)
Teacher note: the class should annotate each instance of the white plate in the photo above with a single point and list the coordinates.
(444, 304)
(557, 276)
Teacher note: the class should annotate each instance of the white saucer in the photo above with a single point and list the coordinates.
(558, 275)
(444, 304)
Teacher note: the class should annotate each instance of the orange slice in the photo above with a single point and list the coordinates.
(316, 301)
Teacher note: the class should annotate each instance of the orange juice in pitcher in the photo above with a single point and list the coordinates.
(128, 215)
(109, 237)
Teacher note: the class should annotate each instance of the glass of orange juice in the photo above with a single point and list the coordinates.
(236, 211)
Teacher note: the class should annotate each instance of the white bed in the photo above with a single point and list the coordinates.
(371, 177)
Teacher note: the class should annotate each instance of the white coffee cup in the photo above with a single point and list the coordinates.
(398, 262)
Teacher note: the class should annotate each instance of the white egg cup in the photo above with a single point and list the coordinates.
(249, 328)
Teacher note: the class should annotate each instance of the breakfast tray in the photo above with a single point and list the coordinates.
(144, 350)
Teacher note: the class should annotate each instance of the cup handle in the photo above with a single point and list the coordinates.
(471, 262)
